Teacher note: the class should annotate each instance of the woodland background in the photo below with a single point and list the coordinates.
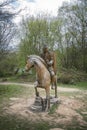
(65, 34)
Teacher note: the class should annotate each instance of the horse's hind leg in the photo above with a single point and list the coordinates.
(47, 98)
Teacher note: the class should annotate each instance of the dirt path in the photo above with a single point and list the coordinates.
(64, 89)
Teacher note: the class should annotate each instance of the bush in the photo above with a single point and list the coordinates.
(71, 76)
(1, 74)
(66, 79)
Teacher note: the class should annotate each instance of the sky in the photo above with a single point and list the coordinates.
(34, 7)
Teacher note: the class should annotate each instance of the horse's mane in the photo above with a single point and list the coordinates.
(38, 58)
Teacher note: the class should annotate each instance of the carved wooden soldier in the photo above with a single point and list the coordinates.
(50, 59)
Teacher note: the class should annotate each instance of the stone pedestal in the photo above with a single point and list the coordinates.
(39, 104)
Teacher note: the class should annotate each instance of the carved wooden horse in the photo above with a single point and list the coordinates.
(43, 76)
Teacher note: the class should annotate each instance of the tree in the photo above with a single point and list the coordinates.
(6, 27)
(6, 30)
(36, 32)
(74, 15)
(66, 34)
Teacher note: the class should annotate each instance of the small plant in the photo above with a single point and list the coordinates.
(53, 108)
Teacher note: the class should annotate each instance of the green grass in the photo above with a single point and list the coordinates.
(83, 113)
(82, 84)
(15, 90)
(75, 125)
(12, 122)
(53, 109)
(10, 90)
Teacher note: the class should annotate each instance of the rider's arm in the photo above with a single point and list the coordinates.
(51, 61)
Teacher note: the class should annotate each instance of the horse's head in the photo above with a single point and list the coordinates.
(29, 64)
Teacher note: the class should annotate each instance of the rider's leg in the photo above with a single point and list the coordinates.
(52, 75)
(53, 80)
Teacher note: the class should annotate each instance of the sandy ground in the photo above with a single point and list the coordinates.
(65, 114)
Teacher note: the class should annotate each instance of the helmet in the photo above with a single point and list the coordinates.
(45, 47)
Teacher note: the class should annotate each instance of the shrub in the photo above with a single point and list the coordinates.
(71, 76)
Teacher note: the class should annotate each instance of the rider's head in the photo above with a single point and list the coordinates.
(45, 48)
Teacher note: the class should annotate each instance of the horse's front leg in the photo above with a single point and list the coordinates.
(35, 86)
(47, 98)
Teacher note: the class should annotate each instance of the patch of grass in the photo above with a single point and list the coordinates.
(12, 122)
(10, 90)
(82, 85)
(83, 113)
(53, 108)
(76, 125)
(68, 94)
